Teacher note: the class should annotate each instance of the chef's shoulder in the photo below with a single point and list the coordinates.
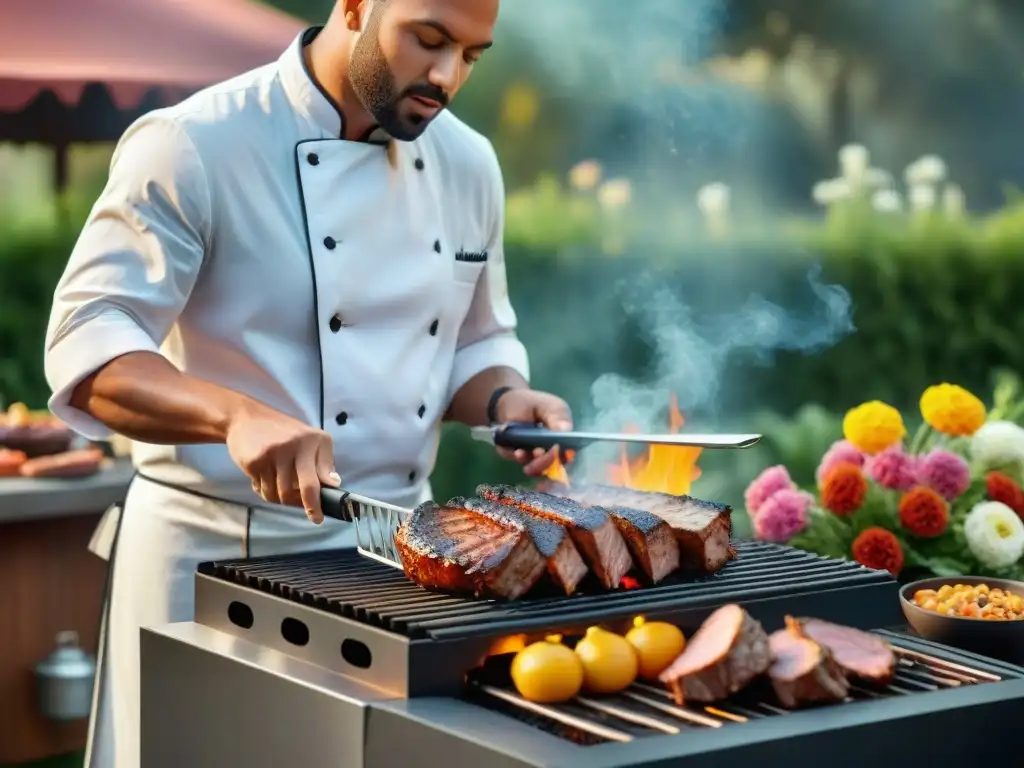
(220, 126)
(466, 161)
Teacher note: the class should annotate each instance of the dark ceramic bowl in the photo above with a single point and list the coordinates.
(999, 639)
(36, 440)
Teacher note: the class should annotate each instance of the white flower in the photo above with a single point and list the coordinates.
(994, 533)
(615, 194)
(585, 176)
(954, 201)
(713, 199)
(832, 191)
(922, 197)
(998, 443)
(854, 161)
(887, 201)
(929, 169)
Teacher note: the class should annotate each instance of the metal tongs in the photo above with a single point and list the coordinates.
(531, 436)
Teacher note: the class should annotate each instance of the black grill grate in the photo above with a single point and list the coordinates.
(347, 584)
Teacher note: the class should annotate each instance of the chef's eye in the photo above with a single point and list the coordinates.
(430, 45)
(471, 58)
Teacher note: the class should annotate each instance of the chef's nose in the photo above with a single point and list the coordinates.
(446, 72)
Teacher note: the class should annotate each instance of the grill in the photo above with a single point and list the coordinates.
(645, 710)
(366, 620)
(340, 660)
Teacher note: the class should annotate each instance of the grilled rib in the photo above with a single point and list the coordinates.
(461, 551)
(650, 539)
(592, 530)
(564, 564)
(702, 528)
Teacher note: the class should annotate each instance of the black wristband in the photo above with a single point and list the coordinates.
(492, 404)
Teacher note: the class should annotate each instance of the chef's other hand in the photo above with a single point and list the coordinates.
(288, 461)
(529, 406)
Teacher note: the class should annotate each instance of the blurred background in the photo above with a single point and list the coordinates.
(764, 211)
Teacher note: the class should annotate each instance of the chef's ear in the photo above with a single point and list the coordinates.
(353, 11)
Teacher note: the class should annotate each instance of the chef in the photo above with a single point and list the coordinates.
(291, 279)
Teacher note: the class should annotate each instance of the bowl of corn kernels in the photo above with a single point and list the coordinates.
(971, 612)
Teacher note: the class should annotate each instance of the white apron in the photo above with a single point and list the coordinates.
(154, 547)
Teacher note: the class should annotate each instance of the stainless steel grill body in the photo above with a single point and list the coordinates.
(335, 660)
(210, 699)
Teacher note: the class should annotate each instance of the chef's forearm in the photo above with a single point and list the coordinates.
(469, 405)
(142, 396)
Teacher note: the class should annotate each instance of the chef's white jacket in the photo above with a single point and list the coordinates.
(353, 285)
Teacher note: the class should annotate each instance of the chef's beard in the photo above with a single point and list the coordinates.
(374, 85)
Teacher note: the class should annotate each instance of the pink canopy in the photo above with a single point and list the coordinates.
(132, 46)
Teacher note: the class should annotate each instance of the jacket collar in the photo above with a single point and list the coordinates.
(309, 99)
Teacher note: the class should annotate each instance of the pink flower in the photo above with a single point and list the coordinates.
(893, 468)
(945, 473)
(842, 452)
(782, 516)
(766, 485)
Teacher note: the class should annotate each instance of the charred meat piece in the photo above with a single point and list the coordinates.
(463, 552)
(803, 671)
(593, 531)
(650, 539)
(564, 564)
(729, 650)
(861, 655)
(702, 528)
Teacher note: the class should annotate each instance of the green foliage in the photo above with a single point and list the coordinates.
(934, 299)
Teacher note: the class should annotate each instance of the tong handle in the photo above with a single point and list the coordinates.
(333, 502)
(529, 436)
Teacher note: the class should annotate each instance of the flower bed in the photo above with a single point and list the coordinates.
(947, 503)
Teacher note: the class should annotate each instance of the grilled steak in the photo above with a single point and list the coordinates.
(650, 540)
(459, 550)
(723, 657)
(861, 655)
(592, 530)
(803, 671)
(702, 528)
(564, 564)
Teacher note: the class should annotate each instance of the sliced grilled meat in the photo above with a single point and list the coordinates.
(728, 651)
(461, 551)
(564, 564)
(861, 655)
(650, 539)
(592, 530)
(803, 671)
(702, 528)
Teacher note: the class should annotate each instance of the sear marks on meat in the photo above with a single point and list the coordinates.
(564, 564)
(861, 655)
(592, 530)
(702, 528)
(729, 650)
(461, 551)
(803, 671)
(650, 540)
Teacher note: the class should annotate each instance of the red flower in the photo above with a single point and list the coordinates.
(1003, 489)
(843, 489)
(924, 513)
(879, 549)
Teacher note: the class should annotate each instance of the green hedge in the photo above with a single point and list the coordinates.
(933, 299)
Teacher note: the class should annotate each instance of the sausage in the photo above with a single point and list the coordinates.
(68, 464)
(10, 462)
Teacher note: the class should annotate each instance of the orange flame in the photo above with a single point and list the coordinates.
(661, 468)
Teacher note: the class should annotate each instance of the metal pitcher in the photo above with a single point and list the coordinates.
(64, 680)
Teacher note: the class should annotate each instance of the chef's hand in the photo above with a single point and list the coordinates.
(528, 406)
(288, 461)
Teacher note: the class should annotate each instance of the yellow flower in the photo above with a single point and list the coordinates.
(873, 427)
(952, 410)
